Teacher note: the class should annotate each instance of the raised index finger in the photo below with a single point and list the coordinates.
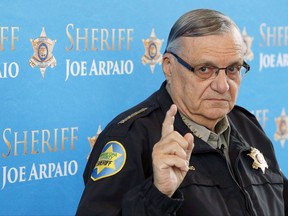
(168, 123)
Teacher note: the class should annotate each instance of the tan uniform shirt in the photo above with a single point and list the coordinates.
(218, 139)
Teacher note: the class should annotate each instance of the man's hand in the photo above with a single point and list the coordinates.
(171, 155)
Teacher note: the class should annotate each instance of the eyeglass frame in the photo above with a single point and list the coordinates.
(190, 68)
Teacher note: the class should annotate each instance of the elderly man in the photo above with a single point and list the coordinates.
(187, 149)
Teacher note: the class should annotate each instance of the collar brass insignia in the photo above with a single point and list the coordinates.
(259, 160)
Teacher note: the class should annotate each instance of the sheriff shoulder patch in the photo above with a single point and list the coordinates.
(110, 162)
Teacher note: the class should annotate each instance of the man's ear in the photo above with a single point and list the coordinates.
(167, 66)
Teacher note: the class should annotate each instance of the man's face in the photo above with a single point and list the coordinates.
(205, 101)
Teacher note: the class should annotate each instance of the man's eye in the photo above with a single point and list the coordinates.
(203, 69)
(233, 69)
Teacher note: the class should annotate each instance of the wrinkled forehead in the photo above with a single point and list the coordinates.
(220, 50)
(225, 40)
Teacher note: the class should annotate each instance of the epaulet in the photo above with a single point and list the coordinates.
(121, 124)
(133, 115)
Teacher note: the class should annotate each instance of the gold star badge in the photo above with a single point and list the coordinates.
(248, 41)
(107, 159)
(259, 160)
(42, 57)
(92, 140)
(152, 53)
(282, 128)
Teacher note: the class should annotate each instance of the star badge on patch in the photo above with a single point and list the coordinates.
(259, 160)
(110, 162)
(42, 57)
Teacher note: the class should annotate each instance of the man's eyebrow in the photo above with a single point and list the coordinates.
(211, 63)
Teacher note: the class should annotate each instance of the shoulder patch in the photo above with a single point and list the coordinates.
(110, 162)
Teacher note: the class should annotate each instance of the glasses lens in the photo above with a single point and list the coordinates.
(205, 72)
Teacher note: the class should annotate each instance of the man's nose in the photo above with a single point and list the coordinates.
(220, 82)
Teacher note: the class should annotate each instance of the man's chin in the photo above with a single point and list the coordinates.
(217, 114)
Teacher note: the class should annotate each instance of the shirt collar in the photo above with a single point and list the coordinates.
(204, 133)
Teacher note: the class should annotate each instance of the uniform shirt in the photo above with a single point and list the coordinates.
(217, 140)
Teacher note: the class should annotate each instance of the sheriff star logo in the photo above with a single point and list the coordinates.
(248, 41)
(107, 160)
(42, 57)
(110, 162)
(281, 133)
(152, 53)
(92, 140)
(259, 160)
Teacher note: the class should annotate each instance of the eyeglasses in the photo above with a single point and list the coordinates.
(209, 71)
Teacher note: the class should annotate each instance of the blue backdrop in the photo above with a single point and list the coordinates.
(68, 67)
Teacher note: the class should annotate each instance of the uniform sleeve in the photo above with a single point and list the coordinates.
(143, 200)
(119, 173)
(147, 200)
(117, 165)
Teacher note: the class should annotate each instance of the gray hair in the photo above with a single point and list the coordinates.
(196, 23)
